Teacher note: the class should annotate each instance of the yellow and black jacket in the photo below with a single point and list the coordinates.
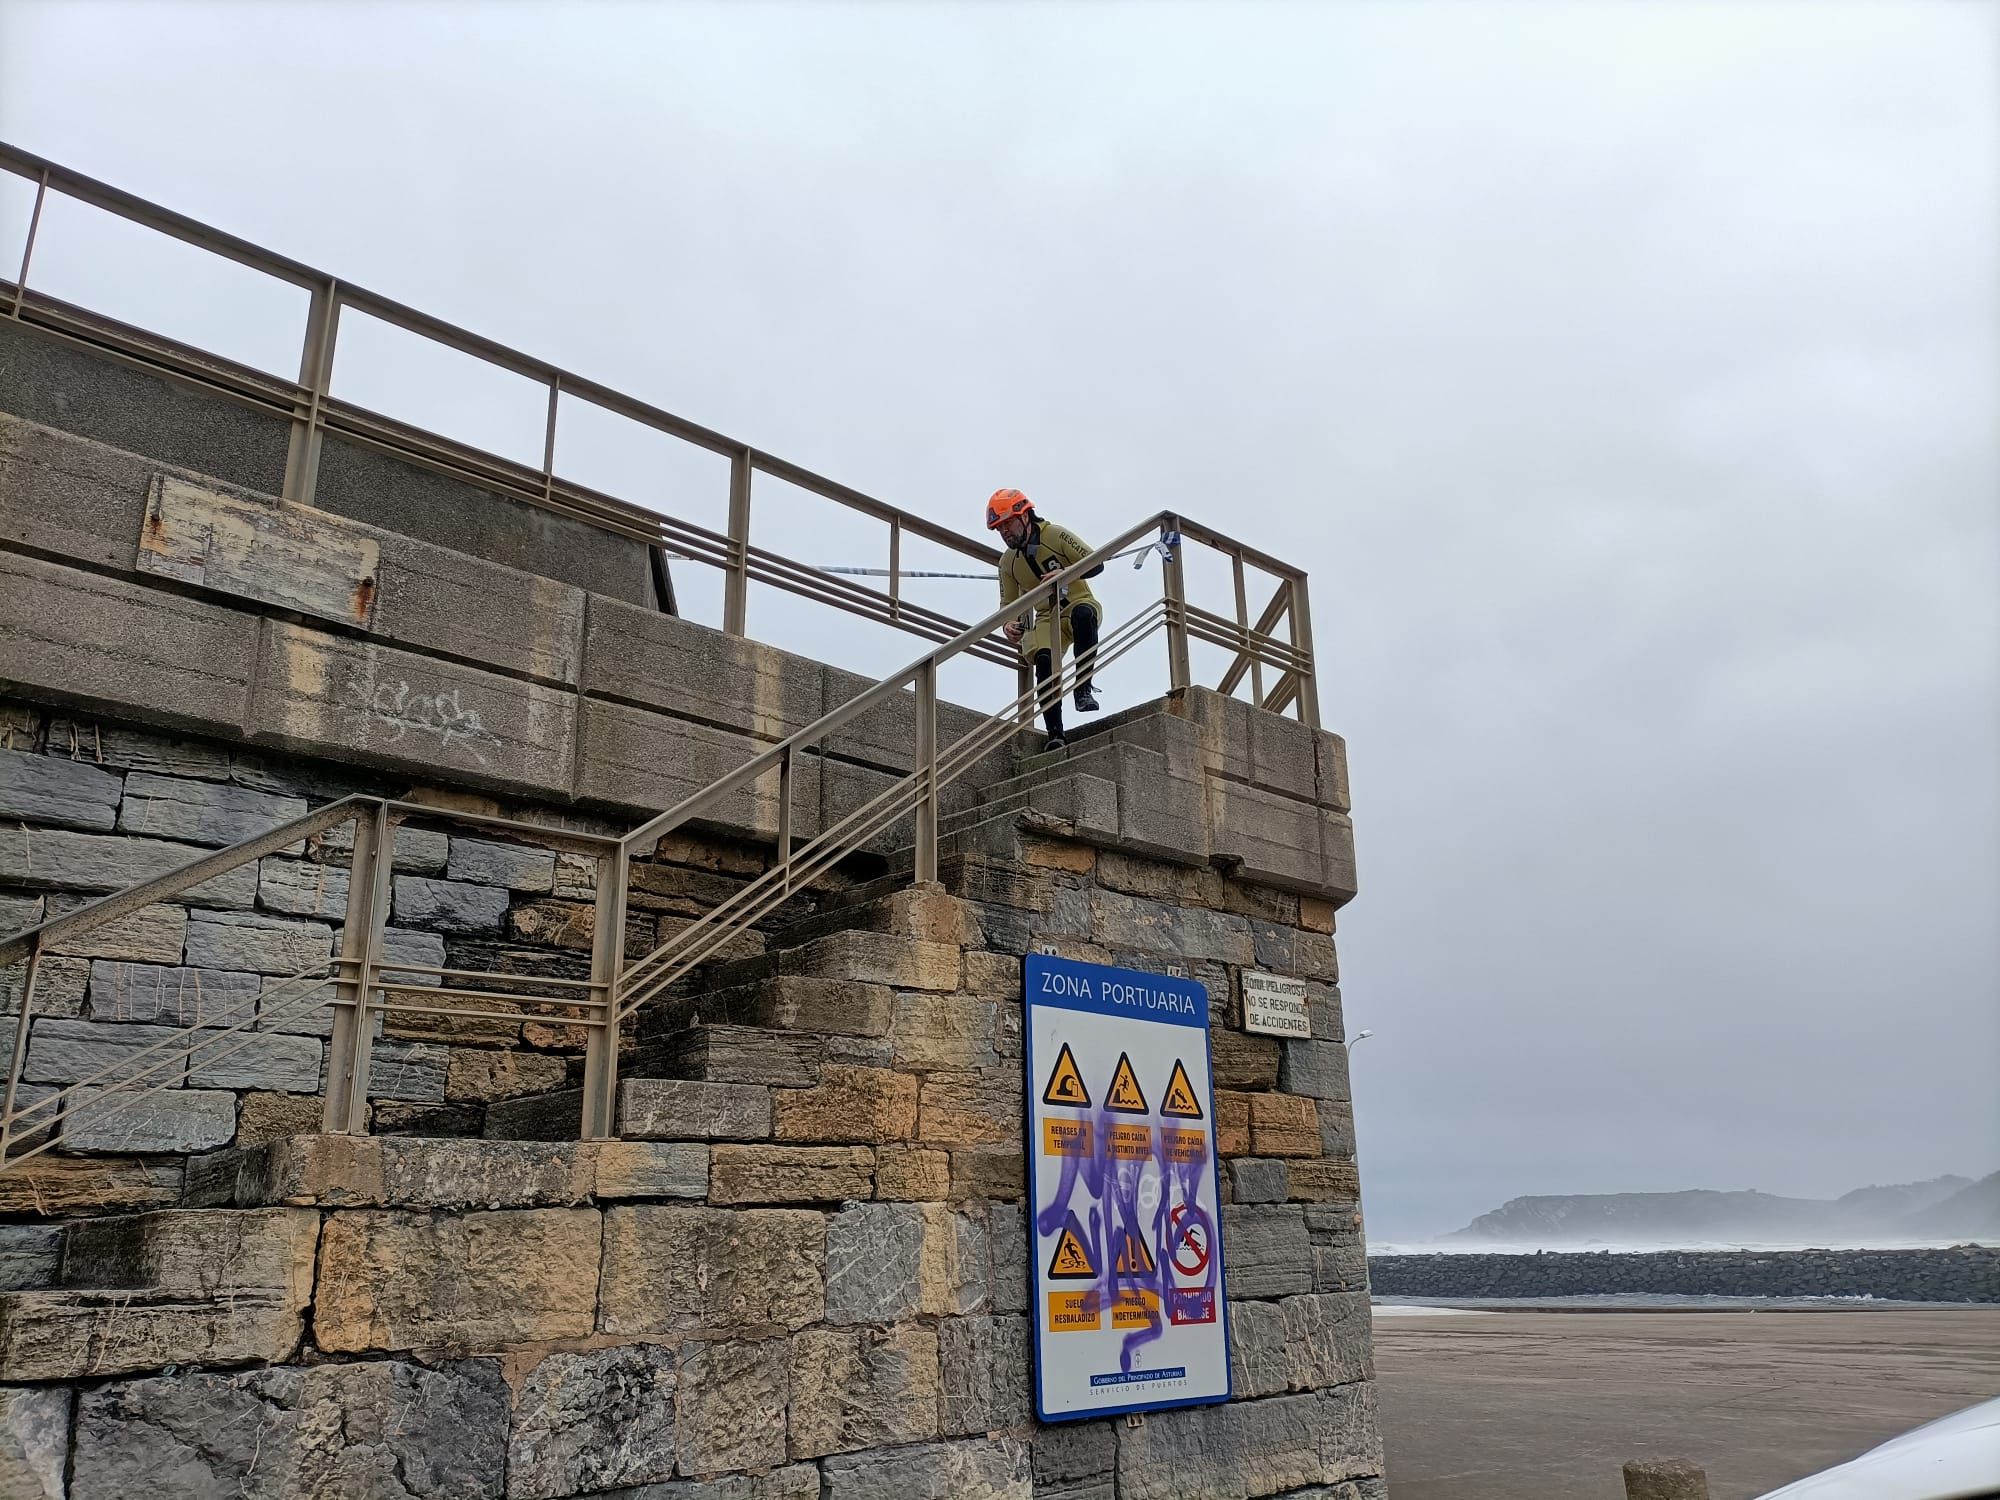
(1049, 549)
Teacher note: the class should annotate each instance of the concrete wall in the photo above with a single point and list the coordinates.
(96, 396)
(305, 632)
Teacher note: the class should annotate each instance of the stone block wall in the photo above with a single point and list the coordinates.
(638, 1337)
(804, 1272)
(88, 806)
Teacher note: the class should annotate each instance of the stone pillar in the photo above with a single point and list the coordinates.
(1664, 1479)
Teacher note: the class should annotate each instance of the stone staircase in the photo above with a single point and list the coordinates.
(803, 1263)
(717, 1059)
(792, 1046)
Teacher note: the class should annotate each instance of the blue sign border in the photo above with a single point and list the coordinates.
(1147, 1004)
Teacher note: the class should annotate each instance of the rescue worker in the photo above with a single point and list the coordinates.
(1035, 549)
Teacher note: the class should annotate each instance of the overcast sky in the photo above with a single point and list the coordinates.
(1626, 376)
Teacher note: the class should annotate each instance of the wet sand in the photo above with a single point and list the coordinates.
(1548, 1406)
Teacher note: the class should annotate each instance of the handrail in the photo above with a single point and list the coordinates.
(206, 867)
(221, 861)
(881, 692)
(702, 939)
(312, 406)
(309, 404)
(364, 976)
(186, 1045)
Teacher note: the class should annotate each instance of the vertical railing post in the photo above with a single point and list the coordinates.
(368, 891)
(895, 571)
(28, 246)
(1243, 623)
(315, 375)
(19, 1051)
(1174, 585)
(1300, 616)
(736, 582)
(927, 773)
(549, 439)
(607, 962)
(785, 817)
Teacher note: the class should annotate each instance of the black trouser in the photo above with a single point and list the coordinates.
(1083, 632)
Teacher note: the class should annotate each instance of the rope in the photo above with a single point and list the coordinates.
(1144, 547)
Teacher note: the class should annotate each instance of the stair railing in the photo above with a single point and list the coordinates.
(363, 983)
(367, 983)
(915, 794)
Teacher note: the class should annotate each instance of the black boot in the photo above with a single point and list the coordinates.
(1083, 623)
(1052, 715)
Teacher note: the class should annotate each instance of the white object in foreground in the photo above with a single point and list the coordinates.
(1954, 1458)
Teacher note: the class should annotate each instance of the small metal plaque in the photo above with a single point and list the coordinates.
(1275, 1005)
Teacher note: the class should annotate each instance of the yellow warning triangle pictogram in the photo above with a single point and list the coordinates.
(1125, 1095)
(1071, 1260)
(1066, 1083)
(1180, 1102)
(1135, 1257)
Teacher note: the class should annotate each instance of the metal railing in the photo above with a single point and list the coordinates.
(368, 984)
(309, 405)
(364, 984)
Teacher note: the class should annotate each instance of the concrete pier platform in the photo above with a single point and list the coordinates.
(1547, 1406)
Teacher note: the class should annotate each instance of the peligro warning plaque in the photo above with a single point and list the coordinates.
(1128, 1294)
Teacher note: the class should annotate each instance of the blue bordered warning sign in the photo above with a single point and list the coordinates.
(1129, 1308)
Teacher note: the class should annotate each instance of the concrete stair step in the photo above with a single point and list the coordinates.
(1039, 770)
(893, 906)
(781, 1002)
(554, 1116)
(904, 963)
(679, 1109)
(731, 1054)
(649, 1109)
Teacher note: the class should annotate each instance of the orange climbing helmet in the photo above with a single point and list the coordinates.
(1004, 504)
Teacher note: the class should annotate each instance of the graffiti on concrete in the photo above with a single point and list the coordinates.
(405, 711)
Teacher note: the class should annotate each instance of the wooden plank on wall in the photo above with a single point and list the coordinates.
(293, 556)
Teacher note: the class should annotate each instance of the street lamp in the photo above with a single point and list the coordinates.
(1357, 1039)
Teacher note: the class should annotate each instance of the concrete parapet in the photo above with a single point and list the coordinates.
(1199, 780)
(501, 673)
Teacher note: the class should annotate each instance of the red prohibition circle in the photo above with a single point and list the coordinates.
(1187, 1244)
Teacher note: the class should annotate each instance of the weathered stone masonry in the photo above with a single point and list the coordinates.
(801, 1271)
(842, 1279)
